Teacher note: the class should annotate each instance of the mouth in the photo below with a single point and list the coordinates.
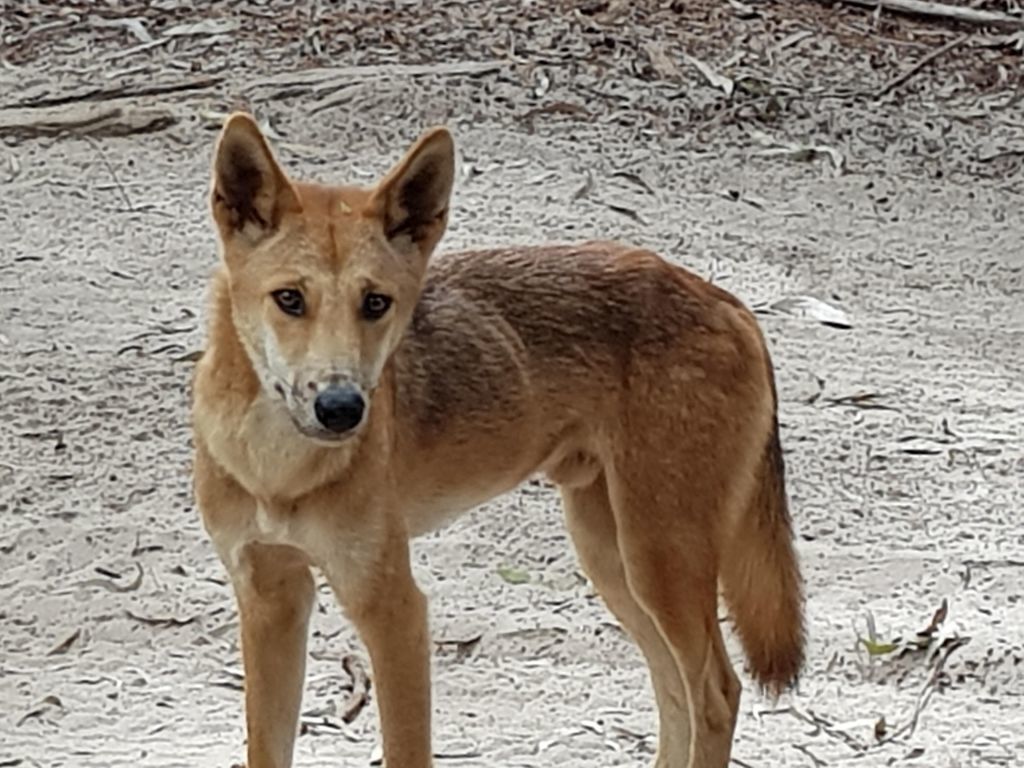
(323, 436)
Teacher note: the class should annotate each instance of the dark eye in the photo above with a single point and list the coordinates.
(375, 306)
(290, 302)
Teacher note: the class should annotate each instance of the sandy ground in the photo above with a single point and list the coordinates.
(903, 432)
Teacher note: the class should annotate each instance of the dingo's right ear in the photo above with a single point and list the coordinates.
(250, 191)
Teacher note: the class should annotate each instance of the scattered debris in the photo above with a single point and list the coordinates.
(926, 644)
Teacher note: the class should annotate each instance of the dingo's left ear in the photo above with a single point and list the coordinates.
(412, 200)
(250, 191)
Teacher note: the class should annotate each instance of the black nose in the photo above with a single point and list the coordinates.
(339, 409)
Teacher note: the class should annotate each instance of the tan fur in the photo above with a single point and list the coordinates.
(644, 392)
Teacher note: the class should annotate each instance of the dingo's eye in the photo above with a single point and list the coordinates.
(290, 302)
(375, 306)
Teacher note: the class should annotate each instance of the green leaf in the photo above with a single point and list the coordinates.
(878, 649)
(514, 575)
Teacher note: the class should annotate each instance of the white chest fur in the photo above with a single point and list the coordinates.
(261, 448)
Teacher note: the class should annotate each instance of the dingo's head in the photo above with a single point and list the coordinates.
(323, 280)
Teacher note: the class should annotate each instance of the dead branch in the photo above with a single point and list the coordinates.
(944, 11)
(85, 120)
(42, 97)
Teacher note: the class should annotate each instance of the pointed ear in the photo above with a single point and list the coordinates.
(412, 200)
(250, 192)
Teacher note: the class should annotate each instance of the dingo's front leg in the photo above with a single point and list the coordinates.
(276, 594)
(390, 614)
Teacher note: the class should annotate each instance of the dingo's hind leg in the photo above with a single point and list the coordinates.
(592, 526)
(667, 543)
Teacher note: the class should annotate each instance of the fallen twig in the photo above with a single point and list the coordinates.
(943, 11)
(899, 80)
(929, 687)
(818, 762)
(863, 400)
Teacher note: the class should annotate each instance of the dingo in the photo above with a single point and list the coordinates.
(355, 393)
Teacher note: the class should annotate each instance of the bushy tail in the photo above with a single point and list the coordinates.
(761, 579)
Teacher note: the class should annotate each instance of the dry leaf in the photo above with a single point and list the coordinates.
(514, 575)
(721, 82)
(814, 309)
